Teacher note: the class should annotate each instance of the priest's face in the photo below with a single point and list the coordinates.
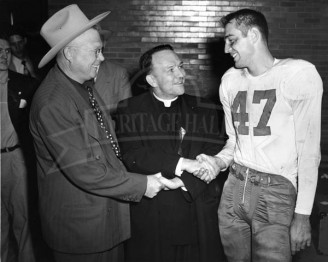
(167, 75)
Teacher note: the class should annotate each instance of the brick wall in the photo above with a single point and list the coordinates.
(298, 28)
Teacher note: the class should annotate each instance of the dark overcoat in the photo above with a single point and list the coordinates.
(150, 139)
(21, 89)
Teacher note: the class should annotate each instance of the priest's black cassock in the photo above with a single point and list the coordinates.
(176, 224)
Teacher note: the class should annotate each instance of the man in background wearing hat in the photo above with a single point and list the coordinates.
(84, 188)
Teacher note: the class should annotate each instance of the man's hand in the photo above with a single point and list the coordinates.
(154, 185)
(173, 183)
(212, 167)
(300, 232)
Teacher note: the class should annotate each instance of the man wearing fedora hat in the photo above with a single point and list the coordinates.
(84, 188)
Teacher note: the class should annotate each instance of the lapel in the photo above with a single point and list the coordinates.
(89, 118)
(83, 107)
(15, 94)
(15, 91)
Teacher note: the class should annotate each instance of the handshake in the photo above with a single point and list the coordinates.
(204, 167)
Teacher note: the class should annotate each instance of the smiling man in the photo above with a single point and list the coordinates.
(84, 188)
(273, 113)
(162, 130)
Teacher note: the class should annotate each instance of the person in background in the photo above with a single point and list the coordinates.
(163, 130)
(112, 80)
(113, 85)
(273, 113)
(16, 150)
(84, 189)
(21, 61)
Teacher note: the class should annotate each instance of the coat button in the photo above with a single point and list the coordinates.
(97, 157)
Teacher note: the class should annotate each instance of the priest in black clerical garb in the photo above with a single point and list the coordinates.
(163, 130)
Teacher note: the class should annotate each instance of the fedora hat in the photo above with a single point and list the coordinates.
(64, 26)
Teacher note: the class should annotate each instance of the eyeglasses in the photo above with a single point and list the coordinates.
(6, 51)
(97, 51)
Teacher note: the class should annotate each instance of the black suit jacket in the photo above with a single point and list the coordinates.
(149, 138)
(20, 92)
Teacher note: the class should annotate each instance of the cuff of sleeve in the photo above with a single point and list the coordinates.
(225, 161)
(168, 166)
(303, 210)
(178, 171)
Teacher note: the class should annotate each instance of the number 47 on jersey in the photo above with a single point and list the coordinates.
(240, 115)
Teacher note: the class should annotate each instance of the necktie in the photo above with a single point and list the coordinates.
(99, 115)
(26, 72)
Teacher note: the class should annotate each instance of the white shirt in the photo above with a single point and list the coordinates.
(17, 64)
(273, 122)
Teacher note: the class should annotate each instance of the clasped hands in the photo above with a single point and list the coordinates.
(204, 167)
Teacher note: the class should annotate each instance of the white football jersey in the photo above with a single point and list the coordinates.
(273, 123)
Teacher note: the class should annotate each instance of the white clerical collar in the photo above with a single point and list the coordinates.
(167, 102)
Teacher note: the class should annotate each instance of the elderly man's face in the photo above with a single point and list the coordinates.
(5, 55)
(87, 55)
(167, 76)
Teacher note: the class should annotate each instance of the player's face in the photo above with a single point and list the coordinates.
(238, 46)
(167, 75)
(5, 55)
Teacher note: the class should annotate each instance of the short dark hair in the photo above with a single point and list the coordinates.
(247, 18)
(4, 36)
(145, 65)
(145, 61)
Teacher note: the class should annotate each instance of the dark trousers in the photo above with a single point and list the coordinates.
(16, 238)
